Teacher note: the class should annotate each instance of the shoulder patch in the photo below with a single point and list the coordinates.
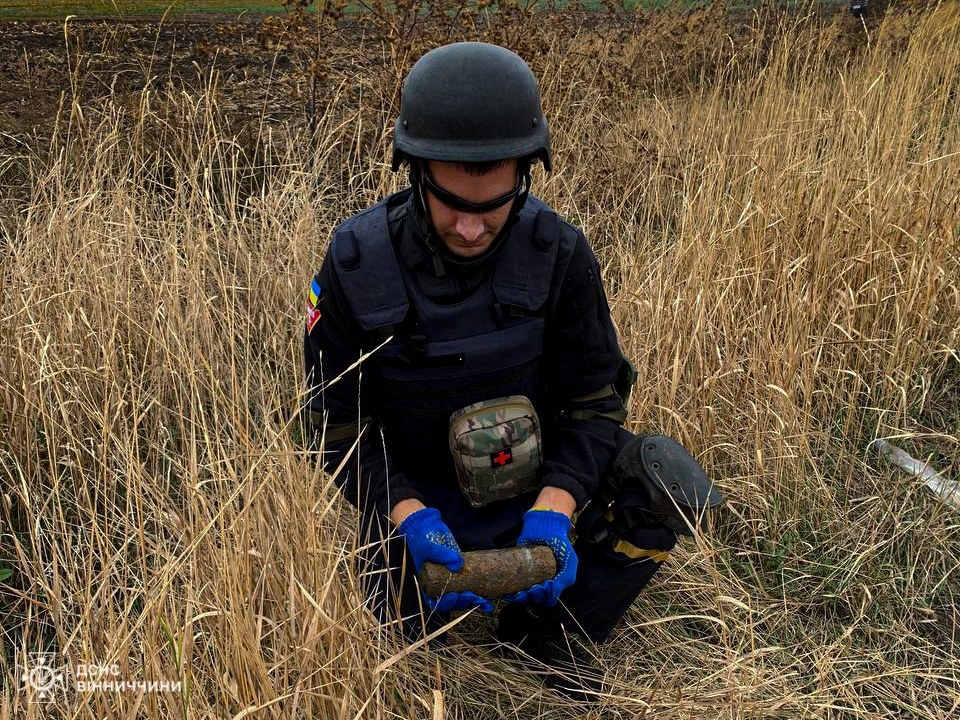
(314, 298)
(316, 293)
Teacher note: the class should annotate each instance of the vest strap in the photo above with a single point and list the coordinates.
(335, 432)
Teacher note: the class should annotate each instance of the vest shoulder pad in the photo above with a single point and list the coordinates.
(368, 269)
(525, 268)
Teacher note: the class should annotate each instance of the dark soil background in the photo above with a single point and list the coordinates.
(43, 63)
(118, 58)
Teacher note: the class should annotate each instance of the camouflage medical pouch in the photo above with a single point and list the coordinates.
(496, 448)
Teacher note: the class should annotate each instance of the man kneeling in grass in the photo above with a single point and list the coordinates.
(492, 390)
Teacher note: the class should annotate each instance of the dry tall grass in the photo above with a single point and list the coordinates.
(781, 239)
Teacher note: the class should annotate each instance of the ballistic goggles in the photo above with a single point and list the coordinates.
(455, 202)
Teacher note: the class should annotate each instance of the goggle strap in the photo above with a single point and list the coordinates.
(458, 203)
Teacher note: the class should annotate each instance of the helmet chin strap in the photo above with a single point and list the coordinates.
(424, 221)
(434, 243)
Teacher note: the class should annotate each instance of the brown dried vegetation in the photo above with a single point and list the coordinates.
(774, 201)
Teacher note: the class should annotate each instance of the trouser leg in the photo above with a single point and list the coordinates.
(388, 581)
(612, 572)
(607, 584)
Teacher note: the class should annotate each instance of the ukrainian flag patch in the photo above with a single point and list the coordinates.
(316, 293)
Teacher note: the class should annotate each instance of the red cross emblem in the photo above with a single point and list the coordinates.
(502, 458)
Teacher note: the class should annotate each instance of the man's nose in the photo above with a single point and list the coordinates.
(469, 226)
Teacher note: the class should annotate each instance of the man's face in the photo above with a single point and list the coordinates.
(467, 233)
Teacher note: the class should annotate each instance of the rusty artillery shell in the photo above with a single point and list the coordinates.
(491, 573)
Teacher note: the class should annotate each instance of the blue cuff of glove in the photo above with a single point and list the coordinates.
(419, 522)
(543, 523)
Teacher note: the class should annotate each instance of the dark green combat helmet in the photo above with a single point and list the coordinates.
(471, 102)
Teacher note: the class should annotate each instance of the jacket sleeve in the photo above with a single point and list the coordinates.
(342, 399)
(583, 359)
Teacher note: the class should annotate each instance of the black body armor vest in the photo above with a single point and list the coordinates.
(440, 358)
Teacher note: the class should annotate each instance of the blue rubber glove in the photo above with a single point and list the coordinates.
(430, 540)
(550, 528)
(458, 601)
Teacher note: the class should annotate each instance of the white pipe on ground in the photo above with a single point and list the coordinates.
(947, 490)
